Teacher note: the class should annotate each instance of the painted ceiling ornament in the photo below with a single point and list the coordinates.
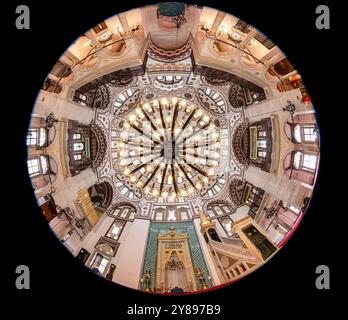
(166, 55)
(240, 145)
(236, 188)
(236, 96)
(99, 145)
(102, 97)
(216, 77)
(231, 205)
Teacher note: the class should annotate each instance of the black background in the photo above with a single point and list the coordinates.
(285, 286)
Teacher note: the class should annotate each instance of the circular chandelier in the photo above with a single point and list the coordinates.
(169, 149)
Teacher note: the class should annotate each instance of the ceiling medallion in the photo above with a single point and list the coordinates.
(169, 148)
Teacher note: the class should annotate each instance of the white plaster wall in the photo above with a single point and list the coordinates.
(93, 236)
(240, 213)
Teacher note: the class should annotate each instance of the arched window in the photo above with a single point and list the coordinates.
(77, 157)
(37, 137)
(217, 187)
(297, 159)
(78, 146)
(77, 136)
(44, 164)
(309, 162)
(115, 230)
(262, 144)
(37, 166)
(214, 95)
(227, 224)
(122, 97)
(309, 133)
(80, 98)
(297, 133)
(262, 154)
(183, 215)
(33, 167)
(305, 133)
(125, 189)
(169, 79)
(304, 161)
(51, 85)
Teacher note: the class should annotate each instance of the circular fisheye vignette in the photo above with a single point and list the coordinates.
(173, 149)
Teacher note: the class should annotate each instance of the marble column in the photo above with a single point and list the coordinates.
(66, 190)
(61, 107)
(274, 105)
(248, 38)
(283, 188)
(217, 21)
(130, 261)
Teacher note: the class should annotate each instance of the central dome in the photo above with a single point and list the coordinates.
(173, 146)
(168, 148)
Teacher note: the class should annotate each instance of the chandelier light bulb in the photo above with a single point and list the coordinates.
(132, 118)
(211, 172)
(215, 163)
